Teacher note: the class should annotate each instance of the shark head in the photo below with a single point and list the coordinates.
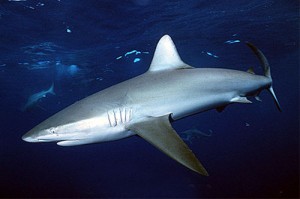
(50, 132)
(40, 135)
(72, 126)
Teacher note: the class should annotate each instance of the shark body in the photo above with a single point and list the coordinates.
(35, 98)
(146, 105)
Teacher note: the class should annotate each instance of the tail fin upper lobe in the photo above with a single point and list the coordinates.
(267, 72)
(51, 89)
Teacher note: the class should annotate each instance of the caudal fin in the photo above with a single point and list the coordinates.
(51, 89)
(267, 72)
(270, 89)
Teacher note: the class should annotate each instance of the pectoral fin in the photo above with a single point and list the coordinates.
(159, 132)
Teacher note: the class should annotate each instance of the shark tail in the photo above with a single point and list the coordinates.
(51, 89)
(267, 72)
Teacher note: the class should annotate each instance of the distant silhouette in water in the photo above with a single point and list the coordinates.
(192, 134)
(35, 98)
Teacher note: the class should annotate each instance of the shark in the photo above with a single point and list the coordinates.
(35, 98)
(193, 133)
(147, 104)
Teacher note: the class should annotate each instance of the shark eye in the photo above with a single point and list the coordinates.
(52, 130)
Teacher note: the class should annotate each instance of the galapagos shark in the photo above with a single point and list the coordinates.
(33, 99)
(147, 104)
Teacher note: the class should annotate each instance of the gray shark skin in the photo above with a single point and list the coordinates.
(34, 98)
(146, 104)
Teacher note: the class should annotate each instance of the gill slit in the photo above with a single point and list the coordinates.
(120, 112)
(115, 117)
(109, 119)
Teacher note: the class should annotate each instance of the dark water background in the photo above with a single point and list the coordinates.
(253, 150)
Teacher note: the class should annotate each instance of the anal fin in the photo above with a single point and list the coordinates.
(159, 132)
(240, 99)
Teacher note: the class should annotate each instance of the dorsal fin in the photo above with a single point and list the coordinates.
(166, 56)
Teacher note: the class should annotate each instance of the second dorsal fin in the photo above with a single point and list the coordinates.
(251, 70)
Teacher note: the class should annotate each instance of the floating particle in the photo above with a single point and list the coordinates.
(22, 63)
(232, 41)
(108, 70)
(43, 62)
(39, 4)
(133, 51)
(136, 52)
(69, 30)
(210, 54)
(136, 60)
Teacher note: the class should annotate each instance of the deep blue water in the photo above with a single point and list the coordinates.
(253, 150)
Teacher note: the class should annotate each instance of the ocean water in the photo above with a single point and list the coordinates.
(82, 47)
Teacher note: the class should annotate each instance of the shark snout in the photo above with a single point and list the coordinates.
(31, 136)
(28, 138)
